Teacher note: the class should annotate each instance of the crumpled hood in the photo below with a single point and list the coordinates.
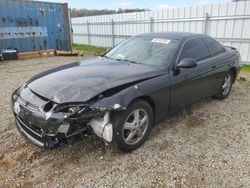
(81, 81)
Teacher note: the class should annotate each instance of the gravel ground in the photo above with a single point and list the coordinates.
(206, 145)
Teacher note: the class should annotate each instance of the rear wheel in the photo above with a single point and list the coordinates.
(226, 86)
(132, 127)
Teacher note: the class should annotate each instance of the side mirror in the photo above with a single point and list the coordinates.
(187, 63)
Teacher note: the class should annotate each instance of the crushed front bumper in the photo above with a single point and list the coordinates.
(43, 131)
(51, 129)
(41, 138)
(35, 137)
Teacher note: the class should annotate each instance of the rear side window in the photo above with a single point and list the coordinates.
(214, 47)
(195, 49)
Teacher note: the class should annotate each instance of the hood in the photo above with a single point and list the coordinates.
(81, 81)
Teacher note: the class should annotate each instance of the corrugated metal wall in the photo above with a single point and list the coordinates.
(32, 25)
(228, 23)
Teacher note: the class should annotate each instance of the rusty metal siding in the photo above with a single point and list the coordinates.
(32, 25)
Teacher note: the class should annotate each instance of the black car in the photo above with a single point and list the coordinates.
(121, 95)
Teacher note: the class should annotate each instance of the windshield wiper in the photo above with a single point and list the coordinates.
(134, 62)
(105, 56)
(130, 61)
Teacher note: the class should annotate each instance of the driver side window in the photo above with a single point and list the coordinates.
(195, 49)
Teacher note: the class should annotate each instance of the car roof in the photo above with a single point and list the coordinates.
(175, 35)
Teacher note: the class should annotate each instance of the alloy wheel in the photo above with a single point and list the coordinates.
(135, 126)
(227, 84)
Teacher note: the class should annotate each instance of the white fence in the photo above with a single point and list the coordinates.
(228, 23)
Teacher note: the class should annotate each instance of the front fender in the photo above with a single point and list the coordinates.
(155, 88)
(120, 100)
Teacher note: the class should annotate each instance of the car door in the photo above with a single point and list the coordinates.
(191, 84)
(221, 63)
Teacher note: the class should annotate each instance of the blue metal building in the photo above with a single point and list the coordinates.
(32, 25)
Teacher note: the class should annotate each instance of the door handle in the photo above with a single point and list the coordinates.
(214, 67)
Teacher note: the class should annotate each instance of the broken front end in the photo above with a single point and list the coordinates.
(48, 124)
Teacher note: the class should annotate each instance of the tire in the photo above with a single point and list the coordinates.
(132, 127)
(226, 86)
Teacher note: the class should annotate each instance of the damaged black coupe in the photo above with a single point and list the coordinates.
(122, 94)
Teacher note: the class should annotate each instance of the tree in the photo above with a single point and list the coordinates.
(95, 12)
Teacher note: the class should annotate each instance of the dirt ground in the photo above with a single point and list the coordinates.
(206, 145)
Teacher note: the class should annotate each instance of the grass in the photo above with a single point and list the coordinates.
(4, 62)
(245, 68)
(87, 49)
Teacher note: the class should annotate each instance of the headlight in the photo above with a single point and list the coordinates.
(72, 109)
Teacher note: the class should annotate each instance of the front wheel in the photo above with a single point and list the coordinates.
(132, 127)
(226, 86)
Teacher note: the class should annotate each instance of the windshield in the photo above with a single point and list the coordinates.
(145, 50)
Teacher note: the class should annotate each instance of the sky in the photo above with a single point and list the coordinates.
(149, 4)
